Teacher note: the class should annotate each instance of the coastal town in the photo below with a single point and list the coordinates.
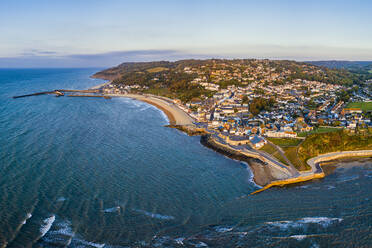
(250, 102)
(280, 117)
(285, 114)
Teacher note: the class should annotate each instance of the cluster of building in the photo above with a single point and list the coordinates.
(300, 104)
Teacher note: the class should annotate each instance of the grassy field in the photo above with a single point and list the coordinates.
(317, 144)
(365, 106)
(157, 69)
(318, 130)
(273, 152)
(285, 142)
(291, 154)
(324, 140)
(159, 92)
(289, 147)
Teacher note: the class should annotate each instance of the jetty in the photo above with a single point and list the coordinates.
(102, 96)
(81, 91)
(62, 92)
(55, 92)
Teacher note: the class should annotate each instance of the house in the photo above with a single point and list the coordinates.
(257, 141)
(352, 110)
(237, 140)
(281, 134)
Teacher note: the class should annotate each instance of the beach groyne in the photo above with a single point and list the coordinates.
(288, 181)
(190, 130)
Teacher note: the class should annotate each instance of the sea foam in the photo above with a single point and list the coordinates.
(111, 210)
(47, 224)
(298, 237)
(222, 229)
(323, 221)
(154, 215)
(28, 216)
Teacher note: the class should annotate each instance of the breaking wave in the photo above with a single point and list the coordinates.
(61, 199)
(28, 216)
(47, 224)
(112, 210)
(154, 215)
(323, 221)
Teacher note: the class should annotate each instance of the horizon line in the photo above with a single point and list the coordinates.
(158, 60)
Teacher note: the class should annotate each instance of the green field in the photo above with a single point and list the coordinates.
(273, 152)
(291, 154)
(285, 142)
(316, 144)
(365, 106)
(318, 130)
(157, 69)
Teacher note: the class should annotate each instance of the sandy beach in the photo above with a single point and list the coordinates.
(100, 86)
(176, 116)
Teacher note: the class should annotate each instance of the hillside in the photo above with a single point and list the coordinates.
(182, 79)
(316, 144)
(339, 64)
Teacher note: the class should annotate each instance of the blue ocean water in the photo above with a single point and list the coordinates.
(87, 172)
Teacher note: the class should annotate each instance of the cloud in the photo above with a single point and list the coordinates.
(38, 58)
(125, 54)
(37, 52)
(45, 58)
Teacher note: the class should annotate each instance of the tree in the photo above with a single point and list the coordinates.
(245, 99)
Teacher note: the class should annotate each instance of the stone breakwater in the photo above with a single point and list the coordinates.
(316, 171)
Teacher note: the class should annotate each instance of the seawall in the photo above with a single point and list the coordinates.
(316, 170)
(337, 155)
(263, 173)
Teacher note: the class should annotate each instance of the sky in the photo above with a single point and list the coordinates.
(103, 33)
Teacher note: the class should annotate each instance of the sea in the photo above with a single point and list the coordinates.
(92, 172)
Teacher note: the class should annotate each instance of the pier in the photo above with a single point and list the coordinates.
(62, 92)
(81, 91)
(106, 97)
(55, 92)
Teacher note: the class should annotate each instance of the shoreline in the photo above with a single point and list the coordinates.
(317, 171)
(170, 116)
(175, 115)
(96, 87)
(264, 174)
